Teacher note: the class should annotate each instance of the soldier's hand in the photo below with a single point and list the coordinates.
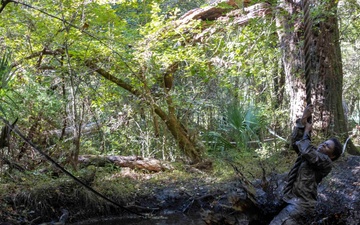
(307, 113)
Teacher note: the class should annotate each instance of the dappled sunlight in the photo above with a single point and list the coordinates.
(265, 151)
(121, 103)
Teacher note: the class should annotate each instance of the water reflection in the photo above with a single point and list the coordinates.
(173, 219)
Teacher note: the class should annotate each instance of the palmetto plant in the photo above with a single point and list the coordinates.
(5, 68)
(241, 128)
(5, 74)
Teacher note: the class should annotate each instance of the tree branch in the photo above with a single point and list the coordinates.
(38, 54)
(81, 29)
(4, 3)
(92, 65)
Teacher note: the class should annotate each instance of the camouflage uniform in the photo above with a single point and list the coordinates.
(301, 198)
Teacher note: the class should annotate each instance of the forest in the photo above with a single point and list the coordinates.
(173, 111)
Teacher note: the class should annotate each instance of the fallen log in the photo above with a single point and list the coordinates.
(133, 162)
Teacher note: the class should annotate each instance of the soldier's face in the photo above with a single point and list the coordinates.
(327, 147)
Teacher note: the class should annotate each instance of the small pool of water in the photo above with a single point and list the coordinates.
(172, 219)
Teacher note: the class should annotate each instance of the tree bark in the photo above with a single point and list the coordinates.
(328, 79)
(291, 56)
(327, 75)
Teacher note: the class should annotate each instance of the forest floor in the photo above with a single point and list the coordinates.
(208, 196)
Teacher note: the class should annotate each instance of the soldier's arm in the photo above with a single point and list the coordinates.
(299, 129)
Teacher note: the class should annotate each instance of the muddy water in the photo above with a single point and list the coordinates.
(173, 219)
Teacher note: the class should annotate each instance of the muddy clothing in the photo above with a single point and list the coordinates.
(301, 198)
(297, 135)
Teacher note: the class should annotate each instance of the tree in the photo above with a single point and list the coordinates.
(173, 69)
(349, 27)
(326, 65)
(92, 52)
(326, 75)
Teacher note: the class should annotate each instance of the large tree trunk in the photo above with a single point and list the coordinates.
(326, 77)
(292, 59)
